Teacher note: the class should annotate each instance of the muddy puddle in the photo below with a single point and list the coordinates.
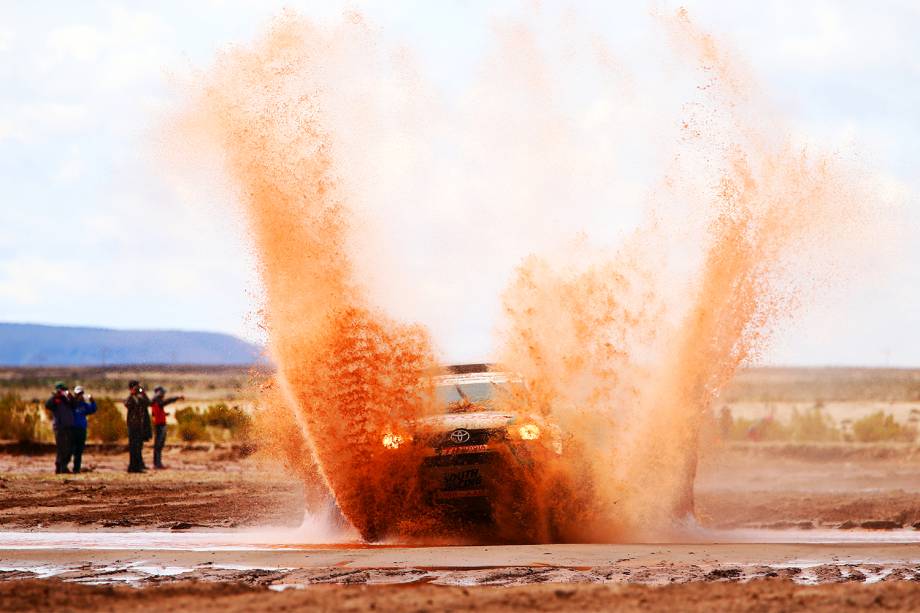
(281, 559)
(296, 539)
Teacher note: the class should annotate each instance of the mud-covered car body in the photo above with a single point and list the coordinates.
(481, 448)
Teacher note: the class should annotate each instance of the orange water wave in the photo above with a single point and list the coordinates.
(610, 350)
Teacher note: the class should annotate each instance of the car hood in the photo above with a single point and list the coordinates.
(475, 420)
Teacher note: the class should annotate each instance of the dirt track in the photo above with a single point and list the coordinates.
(209, 502)
(765, 596)
(743, 487)
(205, 487)
(278, 559)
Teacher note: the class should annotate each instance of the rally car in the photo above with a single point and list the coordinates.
(478, 456)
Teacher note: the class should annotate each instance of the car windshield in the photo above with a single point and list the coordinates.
(478, 392)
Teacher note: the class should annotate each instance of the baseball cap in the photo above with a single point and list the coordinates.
(78, 389)
(60, 386)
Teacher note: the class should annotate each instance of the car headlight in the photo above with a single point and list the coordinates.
(392, 441)
(529, 432)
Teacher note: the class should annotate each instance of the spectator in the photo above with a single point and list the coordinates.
(61, 407)
(157, 405)
(81, 408)
(138, 426)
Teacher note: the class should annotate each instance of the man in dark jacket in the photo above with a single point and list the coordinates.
(137, 404)
(82, 406)
(61, 407)
(157, 405)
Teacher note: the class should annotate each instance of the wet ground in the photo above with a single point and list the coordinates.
(274, 559)
(215, 486)
(195, 536)
(227, 597)
(206, 486)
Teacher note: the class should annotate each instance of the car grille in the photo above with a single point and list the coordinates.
(477, 437)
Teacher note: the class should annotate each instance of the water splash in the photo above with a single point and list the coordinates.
(630, 365)
(625, 351)
(346, 372)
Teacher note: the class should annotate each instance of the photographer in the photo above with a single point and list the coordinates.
(60, 405)
(139, 429)
(81, 408)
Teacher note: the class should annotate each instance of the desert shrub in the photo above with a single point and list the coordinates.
(218, 422)
(191, 425)
(191, 431)
(809, 425)
(765, 429)
(20, 421)
(913, 419)
(738, 429)
(189, 414)
(107, 424)
(881, 426)
(232, 418)
(813, 424)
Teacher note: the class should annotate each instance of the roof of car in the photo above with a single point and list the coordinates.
(475, 377)
(462, 369)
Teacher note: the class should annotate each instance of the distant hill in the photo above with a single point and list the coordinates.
(39, 345)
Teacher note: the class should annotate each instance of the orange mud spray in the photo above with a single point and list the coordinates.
(347, 373)
(628, 365)
(624, 364)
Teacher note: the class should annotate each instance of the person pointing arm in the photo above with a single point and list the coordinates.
(158, 405)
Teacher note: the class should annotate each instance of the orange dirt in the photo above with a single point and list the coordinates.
(763, 596)
(744, 486)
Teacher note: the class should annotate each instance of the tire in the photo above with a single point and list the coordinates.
(518, 515)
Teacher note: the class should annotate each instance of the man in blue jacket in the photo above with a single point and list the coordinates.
(81, 408)
(61, 407)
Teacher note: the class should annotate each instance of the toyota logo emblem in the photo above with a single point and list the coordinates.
(459, 436)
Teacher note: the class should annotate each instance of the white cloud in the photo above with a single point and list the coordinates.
(27, 281)
(76, 42)
(816, 47)
(83, 91)
(35, 121)
(71, 169)
(7, 38)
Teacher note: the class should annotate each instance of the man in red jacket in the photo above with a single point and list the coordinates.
(158, 406)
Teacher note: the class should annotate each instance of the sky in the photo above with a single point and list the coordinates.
(96, 230)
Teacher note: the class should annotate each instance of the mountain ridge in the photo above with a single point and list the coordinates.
(24, 344)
